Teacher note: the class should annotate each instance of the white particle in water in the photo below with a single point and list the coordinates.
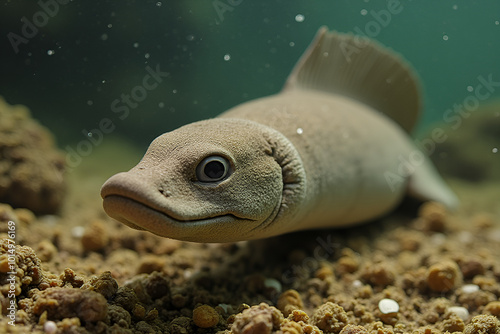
(174, 91)
(291, 44)
(110, 25)
(363, 12)
(190, 37)
(104, 37)
(161, 104)
(227, 57)
(136, 45)
(470, 88)
(90, 102)
(455, 7)
(387, 306)
(494, 150)
(299, 18)
(50, 52)
(147, 55)
(300, 131)
(158, 4)
(460, 311)
(445, 37)
(497, 22)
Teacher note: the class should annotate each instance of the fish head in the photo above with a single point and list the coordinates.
(217, 180)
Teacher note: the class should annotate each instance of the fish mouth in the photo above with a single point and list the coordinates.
(141, 216)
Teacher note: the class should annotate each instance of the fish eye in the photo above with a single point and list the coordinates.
(212, 169)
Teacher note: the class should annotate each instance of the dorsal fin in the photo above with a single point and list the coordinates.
(360, 68)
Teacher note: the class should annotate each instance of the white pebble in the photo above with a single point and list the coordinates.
(273, 283)
(469, 288)
(50, 327)
(77, 231)
(460, 311)
(387, 306)
(300, 131)
(357, 284)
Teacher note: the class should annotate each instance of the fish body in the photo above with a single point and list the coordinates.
(332, 149)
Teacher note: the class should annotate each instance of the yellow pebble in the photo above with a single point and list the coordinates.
(205, 316)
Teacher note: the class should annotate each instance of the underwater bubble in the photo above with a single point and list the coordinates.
(300, 131)
(103, 81)
(158, 4)
(227, 57)
(291, 44)
(445, 37)
(470, 88)
(174, 91)
(50, 52)
(387, 306)
(110, 25)
(494, 150)
(363, 12)
(136, 45)
(299, 18)
(147, 55)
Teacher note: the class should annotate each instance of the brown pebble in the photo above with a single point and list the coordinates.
(60, 303)
(330, 317)
(25, 215)
(95, 237)
(352, 329)
(453, 324)
(106, 285)
(262, 319)
(483, 324)
(493, 308)
(444, 276)
(288, 301)
(378, 275)
(433, 216)
(150, 263)
(46, 250)
(205, 316)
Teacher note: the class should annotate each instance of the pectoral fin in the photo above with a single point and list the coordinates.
(426, 184)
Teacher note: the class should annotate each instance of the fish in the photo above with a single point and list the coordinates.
(331, 149)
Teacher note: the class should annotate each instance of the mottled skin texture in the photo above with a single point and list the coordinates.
(312, 156)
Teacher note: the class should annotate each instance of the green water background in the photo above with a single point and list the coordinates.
(219, 54)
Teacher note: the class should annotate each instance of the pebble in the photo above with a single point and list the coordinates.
(470, 288)
(50, 327)
(205, 316)
(460, 311)
(387, 306)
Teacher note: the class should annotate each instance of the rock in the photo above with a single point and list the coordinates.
(31, 168)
